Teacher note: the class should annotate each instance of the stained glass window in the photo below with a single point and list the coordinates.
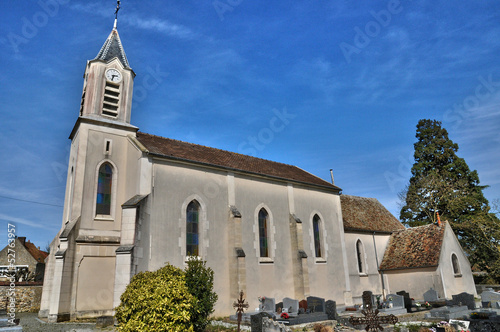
(192, 228)
(263, 239)
(104, 182)
(359, 253)
(317, 240)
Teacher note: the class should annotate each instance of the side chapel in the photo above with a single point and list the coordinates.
(135, 201)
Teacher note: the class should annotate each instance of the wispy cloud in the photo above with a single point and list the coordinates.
(152, 24)
(21, 221)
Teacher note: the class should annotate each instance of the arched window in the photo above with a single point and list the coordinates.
(104, 183)
(359, 254)
(192, 229)
(317, 239)
(263, 230)
(456, 266)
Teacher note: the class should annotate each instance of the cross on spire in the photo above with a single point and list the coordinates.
(116, 12)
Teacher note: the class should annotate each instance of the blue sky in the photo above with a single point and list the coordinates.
(348, 79)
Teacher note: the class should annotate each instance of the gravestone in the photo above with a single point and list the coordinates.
(490, 299)
(464, 299)
(367, 298)
(292, 305)
(331, 309)
(256, 321)
(447, 313)
(279, 307)
(268, 304)
(406, 299)
(431, 295)
(303, 305)
(315, 304)
(397, 300)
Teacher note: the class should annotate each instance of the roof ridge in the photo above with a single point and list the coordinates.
(372, 198)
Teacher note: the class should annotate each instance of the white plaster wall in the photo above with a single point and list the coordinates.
(415, 281)
(460, 283)
(370, 279)
(326, 279)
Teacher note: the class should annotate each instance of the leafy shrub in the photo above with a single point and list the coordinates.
(157, 301)
(200, 282)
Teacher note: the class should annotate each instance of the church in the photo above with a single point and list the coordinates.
(135, 201)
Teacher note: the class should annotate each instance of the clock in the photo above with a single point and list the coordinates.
(113, 75)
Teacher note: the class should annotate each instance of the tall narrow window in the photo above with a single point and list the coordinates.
(359, 255)
(104, 182)
(454, 262)
(317, 239)
(192, 229)
(263, 227)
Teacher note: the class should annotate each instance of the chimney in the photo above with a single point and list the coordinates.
(439, 219)
(22, 239)
(331, 174)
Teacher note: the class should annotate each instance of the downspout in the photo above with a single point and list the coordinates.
(378, 267)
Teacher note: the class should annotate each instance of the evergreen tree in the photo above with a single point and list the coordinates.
(442, 182)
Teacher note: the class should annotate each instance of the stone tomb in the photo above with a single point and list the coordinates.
(331, 309)
(447, 313)
(431, 295)
(291, 306)
(256, 321)
(315, 304)
(398, 305)
(490, 299)
(279, 307)
(463, 299)
(407, 300)
(268, 304)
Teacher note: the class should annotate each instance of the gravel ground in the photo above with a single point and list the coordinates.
(31, 323)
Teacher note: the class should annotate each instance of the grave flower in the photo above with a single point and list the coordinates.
(427, 304)
(284, 315)
(262, 299)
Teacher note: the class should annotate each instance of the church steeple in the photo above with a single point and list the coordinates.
(108, 84)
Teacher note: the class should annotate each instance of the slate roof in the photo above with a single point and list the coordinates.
(367, 215)
(113, 48)
(178, 150)
(416, 247)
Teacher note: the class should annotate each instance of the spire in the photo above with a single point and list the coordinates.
(112, 47)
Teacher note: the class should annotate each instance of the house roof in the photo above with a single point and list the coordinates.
(367, 215)
(37, 254)
(113, 48)
(416, 247)
(178, 150)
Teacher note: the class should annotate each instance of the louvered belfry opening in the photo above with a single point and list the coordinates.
(111, 99)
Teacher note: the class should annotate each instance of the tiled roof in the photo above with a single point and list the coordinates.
(414, 248)
(37, 254)
(200, 154)
(367, 214)
(113, 48)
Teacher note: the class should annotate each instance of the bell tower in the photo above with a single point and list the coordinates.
(108, 83)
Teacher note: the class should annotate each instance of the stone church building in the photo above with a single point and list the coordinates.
(135, 201)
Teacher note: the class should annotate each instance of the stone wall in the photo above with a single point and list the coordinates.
(28, 295)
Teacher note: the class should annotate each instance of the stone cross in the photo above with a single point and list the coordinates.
(371, 319)
(240, 305)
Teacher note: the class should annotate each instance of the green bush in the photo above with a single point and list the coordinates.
(157, 301)
(200, 282)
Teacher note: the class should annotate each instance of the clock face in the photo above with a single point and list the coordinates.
(113, 75)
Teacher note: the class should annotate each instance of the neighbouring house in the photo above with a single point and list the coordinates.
(135, 201)
(28, 257)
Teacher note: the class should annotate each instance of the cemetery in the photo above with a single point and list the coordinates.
(396, 312)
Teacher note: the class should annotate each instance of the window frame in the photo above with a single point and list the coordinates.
(457, 271)
(114, 185)
(361, 258)
(271, 245)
